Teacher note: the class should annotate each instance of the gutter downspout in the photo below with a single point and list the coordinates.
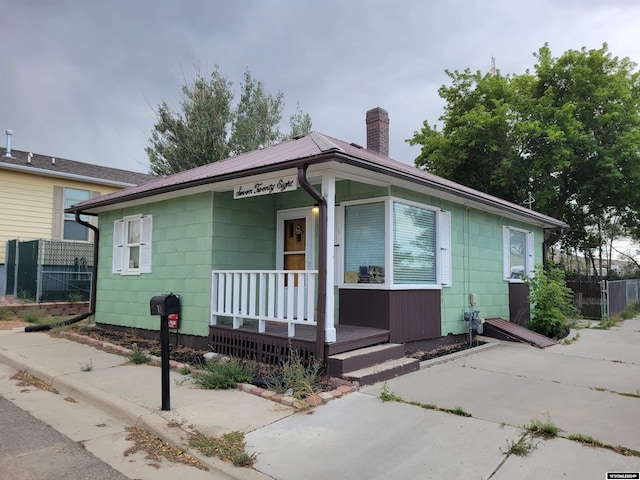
(92, 294)
(94, 271)
(322, 260)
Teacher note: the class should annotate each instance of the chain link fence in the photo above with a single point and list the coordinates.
(49, 270)
(601, 299)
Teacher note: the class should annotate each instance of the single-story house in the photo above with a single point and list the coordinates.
(317, 241)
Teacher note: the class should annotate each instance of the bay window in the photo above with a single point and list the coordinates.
(365, 242)
(396, 244)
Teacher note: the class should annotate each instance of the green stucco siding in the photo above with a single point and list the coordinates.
(181, 263)
(478, 266)
(477, 256)
(347, 190)
(244, 232)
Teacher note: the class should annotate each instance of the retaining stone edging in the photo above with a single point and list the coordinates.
(310, 401)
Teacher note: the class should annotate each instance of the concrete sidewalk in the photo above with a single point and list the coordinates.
(576, 386)
(131, 394)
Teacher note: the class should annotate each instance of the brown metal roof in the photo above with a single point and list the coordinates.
(310, 149)
(499, 328)
(43, 165)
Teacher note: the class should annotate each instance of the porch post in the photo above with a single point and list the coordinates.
(329, 193)
(322, 256)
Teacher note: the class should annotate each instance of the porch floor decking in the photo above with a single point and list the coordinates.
(348, 337)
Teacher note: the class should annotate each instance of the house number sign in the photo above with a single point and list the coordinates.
(267, 187)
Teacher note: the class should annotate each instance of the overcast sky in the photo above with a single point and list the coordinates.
(80, 79)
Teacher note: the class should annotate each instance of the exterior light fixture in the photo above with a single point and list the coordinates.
(316, 209)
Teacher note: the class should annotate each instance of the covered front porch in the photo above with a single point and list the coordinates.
(261, 314)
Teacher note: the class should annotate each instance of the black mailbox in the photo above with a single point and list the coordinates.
(165, 305)
(168, 307)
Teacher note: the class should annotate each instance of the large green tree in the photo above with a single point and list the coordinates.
(207, 127)
(569, 133)
(196, 135)
(257, 117)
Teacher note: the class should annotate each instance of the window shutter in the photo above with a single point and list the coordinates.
(145, 243)
(506, 253)
(444, 235)
(58, 214)
(530, 266)
(118, 246)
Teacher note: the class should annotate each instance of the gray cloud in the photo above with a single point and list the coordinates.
(81, 79)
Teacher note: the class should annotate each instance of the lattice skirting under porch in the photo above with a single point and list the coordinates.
(259, 347)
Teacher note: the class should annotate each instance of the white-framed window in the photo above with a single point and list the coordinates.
(132, 245)
(72, 230)
(364, 243)
(518, 253)
(64, 225)
(394, 243)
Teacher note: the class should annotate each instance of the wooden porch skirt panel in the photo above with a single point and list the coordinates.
(519, 307)
(409, 315)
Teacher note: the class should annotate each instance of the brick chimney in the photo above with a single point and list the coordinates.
(378, 131)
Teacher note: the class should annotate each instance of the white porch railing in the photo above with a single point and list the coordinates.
(285, 296)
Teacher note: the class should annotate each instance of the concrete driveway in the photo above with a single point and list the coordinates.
(578, 387)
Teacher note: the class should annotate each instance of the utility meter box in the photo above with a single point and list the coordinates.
(165, 305)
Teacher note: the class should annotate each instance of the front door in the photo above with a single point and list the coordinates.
(295, 245)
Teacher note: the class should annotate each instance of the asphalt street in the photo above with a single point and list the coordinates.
(32, 450)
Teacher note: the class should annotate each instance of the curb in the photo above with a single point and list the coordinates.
(454, 356)
(125, 411)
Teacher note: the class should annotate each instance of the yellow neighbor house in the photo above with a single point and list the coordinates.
(35, 189)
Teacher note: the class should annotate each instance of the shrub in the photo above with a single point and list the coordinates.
(297, 378)
(75, 297)
(631, 311)
(32, 315)
(138, 356)
(551, 302)
(6, 314)
(231, 447)
(543, 429)
(25, 296)
(221, 376)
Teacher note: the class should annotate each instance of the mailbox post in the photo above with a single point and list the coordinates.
(165, 306)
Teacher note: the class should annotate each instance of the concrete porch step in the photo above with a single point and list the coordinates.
(364, 357)
(383, 371)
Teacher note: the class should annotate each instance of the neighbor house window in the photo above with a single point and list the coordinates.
(518, 253)
(397, 243)
(132, 245)
(72, 230)
(64, 226)
(364, 258)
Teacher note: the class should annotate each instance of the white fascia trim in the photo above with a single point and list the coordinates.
(70, 176)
